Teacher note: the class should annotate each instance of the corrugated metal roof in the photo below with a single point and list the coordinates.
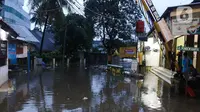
(8, 28)
(24, 33)
(49, 42)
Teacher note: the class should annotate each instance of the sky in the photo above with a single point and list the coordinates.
(26, 7)
(160, 5)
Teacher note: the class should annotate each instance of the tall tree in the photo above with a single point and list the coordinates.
(44, 12)
(78, 33)
(113, 20)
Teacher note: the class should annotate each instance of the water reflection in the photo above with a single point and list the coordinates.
(149, 97)
(78, 89)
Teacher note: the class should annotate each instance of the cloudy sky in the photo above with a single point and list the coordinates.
(160, 5)
(77, 7)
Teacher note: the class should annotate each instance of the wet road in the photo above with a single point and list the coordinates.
(91, 90)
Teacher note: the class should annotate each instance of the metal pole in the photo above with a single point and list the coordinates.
(64, 48)
(43, 34)
(29, 60)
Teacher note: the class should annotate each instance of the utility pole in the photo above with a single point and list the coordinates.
(43, 34)
(64, 47)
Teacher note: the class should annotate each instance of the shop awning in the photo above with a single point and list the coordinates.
(24, 33)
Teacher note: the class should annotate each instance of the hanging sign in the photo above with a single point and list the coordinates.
(140, 26)
(165, 30)
(188, 49)
(128, 52)
(142, 36)
(191, 28)
(153, 10)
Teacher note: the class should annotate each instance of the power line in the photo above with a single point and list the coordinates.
(98, 13)
(54, 9)
(78, 11)
(79, 3)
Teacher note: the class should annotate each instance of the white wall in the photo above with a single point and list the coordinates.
(4, 69)
(3, 74)
(24, 55)
(152, 58)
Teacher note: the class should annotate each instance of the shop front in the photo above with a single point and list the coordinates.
(184, 22)
(5, 32)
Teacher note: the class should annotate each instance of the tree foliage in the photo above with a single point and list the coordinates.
(79, 33)
(113, 20)
(41, 8)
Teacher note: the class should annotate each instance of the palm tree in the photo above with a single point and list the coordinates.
(45, 12)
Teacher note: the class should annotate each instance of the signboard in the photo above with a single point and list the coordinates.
(12, 53)
(3, 49)
(191, 28)
(165, 30)
(128, 52)
(188, 48)
(153, 10)
(142, 36)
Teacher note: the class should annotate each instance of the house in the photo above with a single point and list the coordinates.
(6, 32)
(184, 20)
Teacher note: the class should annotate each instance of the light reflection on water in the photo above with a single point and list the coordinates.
(89, 90)
(150, 97)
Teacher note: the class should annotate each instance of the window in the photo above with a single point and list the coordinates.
(15, 12)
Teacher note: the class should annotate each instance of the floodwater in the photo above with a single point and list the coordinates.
(78, 89)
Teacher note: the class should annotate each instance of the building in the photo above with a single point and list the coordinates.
(13, 13)
(19, 20)
(185, 27)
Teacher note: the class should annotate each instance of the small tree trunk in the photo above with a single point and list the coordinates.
(43, 34)
(109, 56)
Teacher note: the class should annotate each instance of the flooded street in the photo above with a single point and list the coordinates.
(78, 89)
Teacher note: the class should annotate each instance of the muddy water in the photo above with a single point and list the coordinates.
(78, 89)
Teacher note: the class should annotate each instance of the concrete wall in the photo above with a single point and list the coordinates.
(152, 58)
(3, 74)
